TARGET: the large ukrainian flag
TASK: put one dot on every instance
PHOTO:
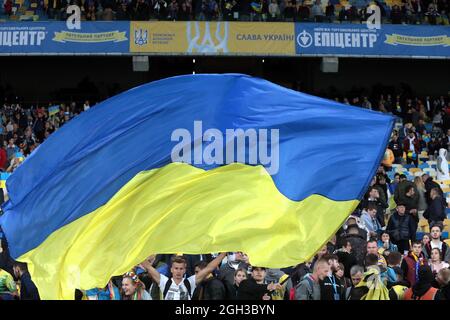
(102, 193)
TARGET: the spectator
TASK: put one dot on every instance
(331, 288)
(422, 203)
(393, 185)
(411, 146)
(436, 262)
(358, 243)
(254, 288)
(401, 228)
(412, 261)
(396, 15)
(372, 249)
(309, 287)
(133, 288)
(432, 14)
(443, 281)
(229, 9)
(28, 290)
(173, 10)
(369, 217)
(429, 185)
(356, 274)
(178, 287)
(232, 290)
(394, 260)
(396, 146)
(376, 197)
(235, 261)
(108, 8)
(371, 285)
(317, 11)
(303, 12)
(289, 11)
(340, 275)
(160, 8)
(8, 290)
(91, 12)
(385, 243)
(274, 11)
(401, 190)
(411, 202)
(329, 12)
(436, 242)
(123, 11)
(141, 11)
(7, 6)
(3, 157)
(398, 288)
(296, 275)
(184, 13)
(210, 288)
(11, 149)
(435, 213)
(422, 289)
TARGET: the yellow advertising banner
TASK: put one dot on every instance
(263, 38)
(194, 37)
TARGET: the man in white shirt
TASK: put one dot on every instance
(178, 287)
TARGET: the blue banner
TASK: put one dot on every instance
(56, 38)
(359, 40)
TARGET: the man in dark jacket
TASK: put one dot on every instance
(435, 212)
(401, 228)
(28, 290)
(402, 188)
(429, 185)
(255, 288)
(396, 146)
(331, 288)
(210, 288)
(411, 202)
(358, 243)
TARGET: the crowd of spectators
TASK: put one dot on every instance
(375, 255)
(404, 11)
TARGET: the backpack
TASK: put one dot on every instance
(186, 282)
(292, 290)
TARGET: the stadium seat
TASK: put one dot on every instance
(447, 182)
(424, 226)
(447, 241)
(446, 189)
(419, 235)
(424, 166)
(414, 170)
(418, 174)
(409, 166)
(447, 225)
